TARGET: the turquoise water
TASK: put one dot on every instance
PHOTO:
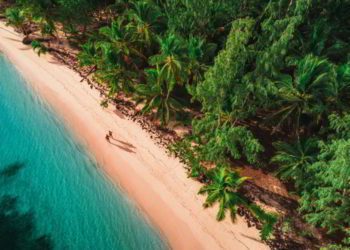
(54, 178)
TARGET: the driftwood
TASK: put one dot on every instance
(27, 40)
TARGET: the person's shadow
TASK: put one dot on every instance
(122, 145)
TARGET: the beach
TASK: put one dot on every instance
(157, 182)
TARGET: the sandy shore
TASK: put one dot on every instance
(157, 182)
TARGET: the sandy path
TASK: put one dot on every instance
(157, 182)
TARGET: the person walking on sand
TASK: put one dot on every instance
(110, 134)
(107, 138)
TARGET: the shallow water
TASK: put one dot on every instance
(54, 178)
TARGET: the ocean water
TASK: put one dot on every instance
(57, 190)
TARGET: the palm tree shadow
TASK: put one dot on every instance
(12, 169)
(26, 48)
(54, 61)
(119, 114)
(17, 229)
(251, 238)
(12, 39)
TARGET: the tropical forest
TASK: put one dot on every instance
(255, 85)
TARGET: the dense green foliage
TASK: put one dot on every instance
(254, 69)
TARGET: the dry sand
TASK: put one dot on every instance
(158, 183)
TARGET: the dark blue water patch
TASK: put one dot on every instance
(18, 229)
(55, 181)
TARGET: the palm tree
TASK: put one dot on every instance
(293, 159)
(195, 69)
(39, 47)
(223, 188)
(16, 17)
(117, 78)
(157, 95)
(108, 65)
(48, 28)
(170, 60)
(88, 55)
(306, 94)
(145, 19)
(122, 40)
(342, 97)
(113, 57)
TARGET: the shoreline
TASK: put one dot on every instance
(156, 182)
